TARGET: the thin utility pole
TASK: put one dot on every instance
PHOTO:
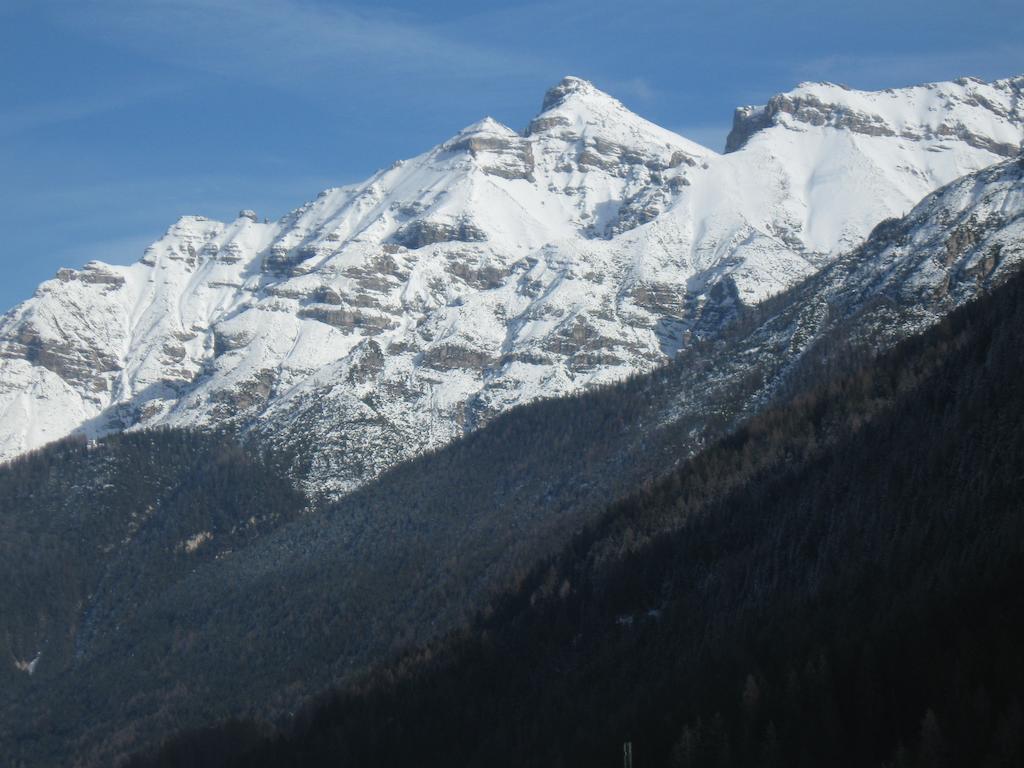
(627, 755)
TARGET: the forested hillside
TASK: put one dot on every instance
(837, 583)
(90, 537)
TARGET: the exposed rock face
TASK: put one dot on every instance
(498, 150)
(386, 318)
(421, 233)
(94, 272)
(447, 357)
(746, 121)
(76, 364)
(558, 94)
(370, 323)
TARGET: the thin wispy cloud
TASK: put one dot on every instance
(16, 119)
(285, 41)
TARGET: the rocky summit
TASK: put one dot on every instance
(384, 319)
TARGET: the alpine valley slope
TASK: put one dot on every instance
(258, 620)
(387, 318)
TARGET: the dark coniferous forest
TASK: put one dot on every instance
(110, 525)
(836, 583)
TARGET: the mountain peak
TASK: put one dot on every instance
(569, 86)
(576, 109)
(487, 126)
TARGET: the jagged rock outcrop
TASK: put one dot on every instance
(498, 150)
(420, 233)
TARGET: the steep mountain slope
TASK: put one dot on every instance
(387, 318)
(410, 555)
(854, 153)
(835, 584)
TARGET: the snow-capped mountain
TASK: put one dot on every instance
(956, 244)
(386, 318)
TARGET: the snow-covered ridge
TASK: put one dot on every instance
(980, 114)
(385, 318)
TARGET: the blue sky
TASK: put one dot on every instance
(117, 116)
